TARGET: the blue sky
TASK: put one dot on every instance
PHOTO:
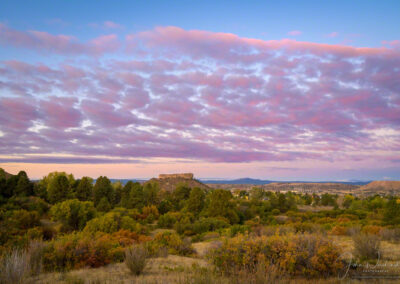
(361, 23)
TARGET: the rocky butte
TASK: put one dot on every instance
(169, 182)
(183, 176)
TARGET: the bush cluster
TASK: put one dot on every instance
(296, 255)
(172, 241)
(79, 249)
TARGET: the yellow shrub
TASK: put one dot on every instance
(296, 255)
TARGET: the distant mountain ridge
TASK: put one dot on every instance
(250, 181)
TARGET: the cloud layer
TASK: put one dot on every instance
(197, 95)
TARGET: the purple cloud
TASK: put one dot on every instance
(199, 95)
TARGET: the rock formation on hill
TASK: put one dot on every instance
(184, 176)
(169, 182)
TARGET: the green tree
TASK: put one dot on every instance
(348, 199)
(2, 173)
(73, 214)
(101, 189)
(117, 186)
(11, 184)
(195, 203)
(220, 205)
(328, 199)
(132, 195)
(137, 196)
(307, 199)
(256, 193)
(58, 189)
(179, 196)
(150, 193)
(391, 215)
(3, 187)
(125, 200)
(103, 205)
(24, 187)
(84, 190)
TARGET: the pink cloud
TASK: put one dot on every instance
(333, 34)
(205, 96)
(63, 44)
(393, 43)
(60, 112)
(112, 25)
(17, 113)
(105, 115)
(295, 33)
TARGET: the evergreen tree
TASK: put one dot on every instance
(103, 189)
(24, 187)
(58, 189)
(137, 196)
(84, 190)
(195, 203)
(150, 193)
(104, 205)
(220, 205)
(392, 212)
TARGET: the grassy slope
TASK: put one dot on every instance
(179, 269)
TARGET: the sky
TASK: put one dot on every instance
(279, 90)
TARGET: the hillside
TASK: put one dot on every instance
(170, 182)
(381, 187)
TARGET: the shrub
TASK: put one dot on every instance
(14, 267)
(172, 241)
(307, 228)
(135, 259)
(209, 224)
(371, 229)
(73, 214)
(339, 231)
(367, 246)
(167, 220)
(296, 255)
(236, 229)
(150, 210)
(275, 212)
(112, 222)
(79, 250)
(26, 219)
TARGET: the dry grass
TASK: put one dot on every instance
(390, 251)
(187, 270)
(14, 267)
(367, 246)
(176, 269)
(201, 248)
(158, 270)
